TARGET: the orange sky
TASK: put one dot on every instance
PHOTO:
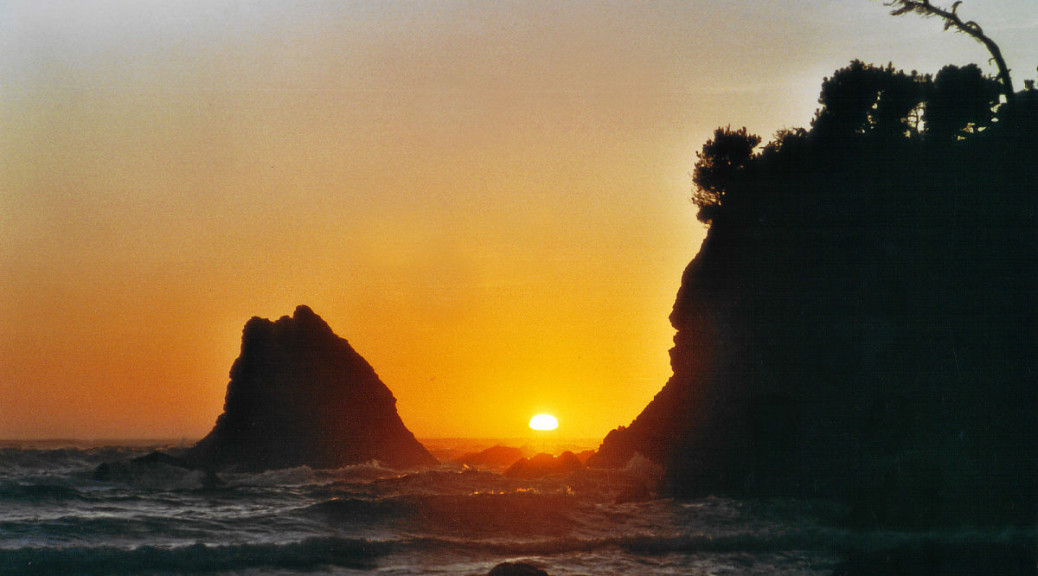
(489, 200)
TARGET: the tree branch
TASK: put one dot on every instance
(952, 20)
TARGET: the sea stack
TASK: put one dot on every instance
(860, 323)
(300, 395)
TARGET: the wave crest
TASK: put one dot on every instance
(306, 554)
(492, 514)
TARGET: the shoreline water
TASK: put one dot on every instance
(450, 519)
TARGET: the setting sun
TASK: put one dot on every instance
(544, 422)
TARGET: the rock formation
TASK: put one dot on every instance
(544, 464)
(516, 569)
(300, 395)
(156, 469)
(862, 323)
(497, 456)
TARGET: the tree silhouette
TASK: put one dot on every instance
(863, 99)
(962, 102)
(969, 27)
(860, 321)
(722, 157)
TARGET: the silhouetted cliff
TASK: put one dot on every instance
(300, 395)
(862, 319)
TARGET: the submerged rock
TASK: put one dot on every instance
(516, 569)
(301, 396)
(544, 465)
(156, 469)
(495, 456)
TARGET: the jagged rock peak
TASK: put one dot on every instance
(304, 321)
(300, 395)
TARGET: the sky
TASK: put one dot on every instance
(489, 200)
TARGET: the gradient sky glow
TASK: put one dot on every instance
(489, 200)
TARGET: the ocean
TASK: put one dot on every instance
(56, 518)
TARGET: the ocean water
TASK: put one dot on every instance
(55, 518)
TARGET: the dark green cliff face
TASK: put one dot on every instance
(862, 323)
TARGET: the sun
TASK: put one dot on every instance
(544, 422)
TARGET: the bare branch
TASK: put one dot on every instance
(952, 20)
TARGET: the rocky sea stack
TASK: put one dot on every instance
(300, 395)
(861, 322)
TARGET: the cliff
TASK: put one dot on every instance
(300, 395)
(862, 323)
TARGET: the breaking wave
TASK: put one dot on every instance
(195, 558)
